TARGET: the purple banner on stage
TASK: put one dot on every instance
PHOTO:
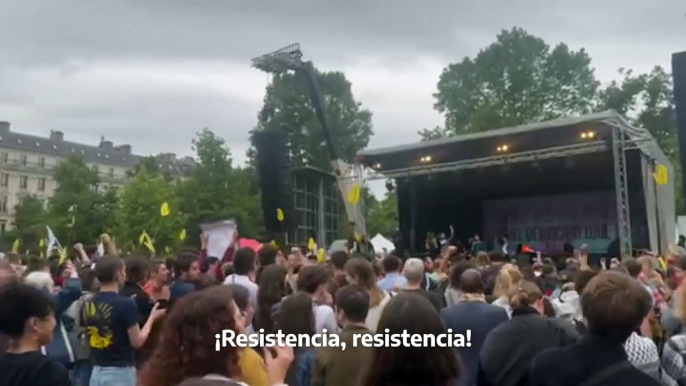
(546, 223)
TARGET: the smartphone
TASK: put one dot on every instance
(162, 304)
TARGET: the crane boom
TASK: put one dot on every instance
(348, 177)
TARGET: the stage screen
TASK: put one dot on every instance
(546, 223)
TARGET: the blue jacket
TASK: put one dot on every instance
(301, 370)
(480, 318)
(180, 288)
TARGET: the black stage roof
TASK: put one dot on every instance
(518, 140)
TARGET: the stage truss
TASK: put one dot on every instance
(619, 145)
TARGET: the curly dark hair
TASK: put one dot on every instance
(187, 344)
(271, 289)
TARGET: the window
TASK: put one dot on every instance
(111, 172)
(19, 141)
(4, 180)
(23, 182)
(41, 162)
(41, 184)
(3, 226)
(22, 160)
(3, 204)
(37, 144)
(4, 157)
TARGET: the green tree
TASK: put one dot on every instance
(29, 222)
(78, 199)
(647, 100)
(383, 216)
(216, 190)
(517, 80)
(151, 164)
(139, 210)
(287, 104)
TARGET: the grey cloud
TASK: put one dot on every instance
(332, 31)
(53, 50)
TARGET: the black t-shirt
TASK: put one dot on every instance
(430, 296)
(108, 317)
(143, 301)
(32, 369)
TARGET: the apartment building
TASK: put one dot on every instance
(27, 163)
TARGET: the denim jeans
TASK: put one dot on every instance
(82, 372)
(113, 376)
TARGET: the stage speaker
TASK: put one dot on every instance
(679, 74)
(274, 172)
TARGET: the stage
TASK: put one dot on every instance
(586, 180)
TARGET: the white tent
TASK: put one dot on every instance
(379, 243)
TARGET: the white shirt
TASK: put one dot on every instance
(244, 281)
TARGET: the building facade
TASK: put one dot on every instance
(27, 164)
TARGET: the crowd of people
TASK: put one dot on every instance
(132, 320)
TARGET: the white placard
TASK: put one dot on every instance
(219, 236)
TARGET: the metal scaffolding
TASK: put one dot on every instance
(503, 159)
(621, 190)
(619, 144)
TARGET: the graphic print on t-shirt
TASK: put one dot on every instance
(98, 317)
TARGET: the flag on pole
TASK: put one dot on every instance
(73, 216)
(63, 255)
(311, 245)
(15, 246)
(52, 240)
(183, 235)
(146, 241)
(165, 210)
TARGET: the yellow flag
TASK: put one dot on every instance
(311, 245)
(321, 255)
(63, 255)
(354, 194)
(661, 175)
(358, 237)
(274, 244)
(279, 214)
(165, 210)
(183, 235)
(168, 250)
(73, 216)
(41, 243)
(15, 246)
(146, 241)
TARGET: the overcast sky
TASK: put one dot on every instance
(153, 72)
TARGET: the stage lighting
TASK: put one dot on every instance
(502, 148)
(583, 135)
(426, 159)
(377, 166)
(587, 135)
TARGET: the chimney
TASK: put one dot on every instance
(4, 127)
(167, 157)
(56, 135)
(126, 149)
(107, 145)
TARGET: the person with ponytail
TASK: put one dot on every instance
(506, 282)
(509, 350)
